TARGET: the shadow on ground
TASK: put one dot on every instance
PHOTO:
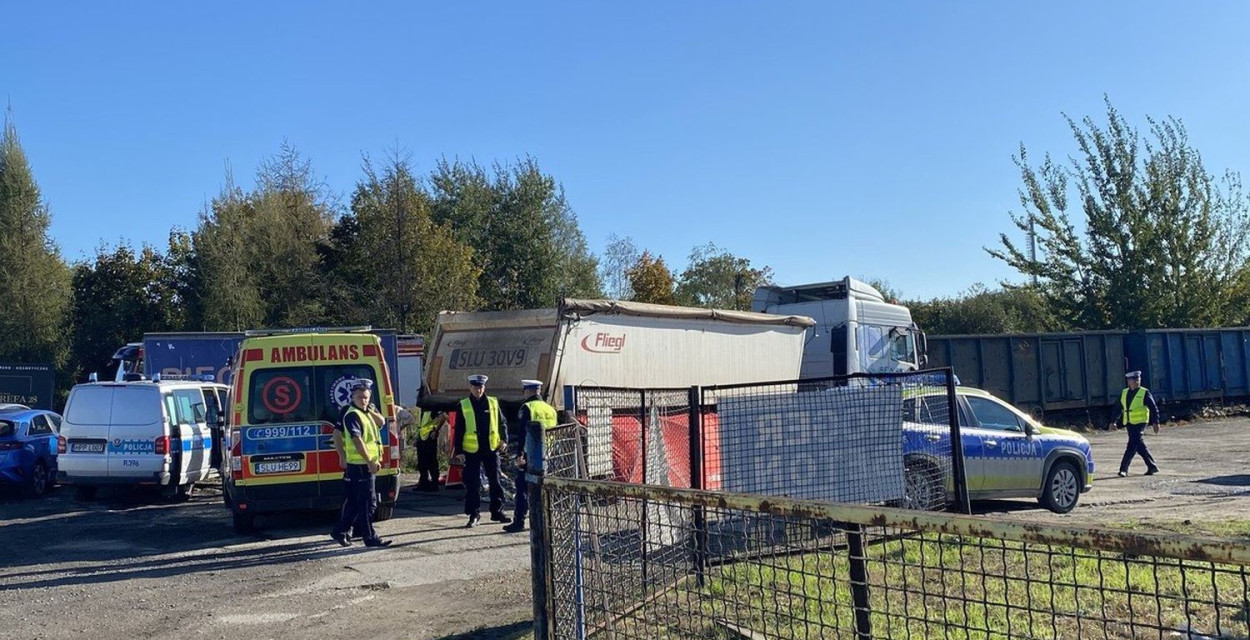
(515, 631)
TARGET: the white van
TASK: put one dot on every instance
(164, 433)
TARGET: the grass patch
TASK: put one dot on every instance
(942, 586)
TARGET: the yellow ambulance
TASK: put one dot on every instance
(290, 388)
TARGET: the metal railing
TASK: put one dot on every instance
(783, 568)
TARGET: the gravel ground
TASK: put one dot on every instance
(132, 566)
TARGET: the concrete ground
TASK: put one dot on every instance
(133, 566)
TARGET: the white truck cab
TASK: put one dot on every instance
(856, 330)
(149, 432)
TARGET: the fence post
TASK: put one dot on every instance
(957, 444)
(859, 580)
(540, 537)
(695, 401)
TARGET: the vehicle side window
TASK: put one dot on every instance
(56, 422)
(931, 410)
(171, 408)
(190, 404)
(993, 415)
(212, 409)
(39, 426)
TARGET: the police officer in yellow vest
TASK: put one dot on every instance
(1137, 411)
(479, 439)
(362, 450)
(428, 424)
(534, 410)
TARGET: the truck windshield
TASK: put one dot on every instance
(885, 349)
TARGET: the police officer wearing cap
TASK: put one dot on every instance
(534, 410)
(362, 450)
(1137, 411)
(479, 441)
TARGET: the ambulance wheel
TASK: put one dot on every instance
(384, 512)
(244, 523)
(85, 493)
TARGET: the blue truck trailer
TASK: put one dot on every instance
(210, 353)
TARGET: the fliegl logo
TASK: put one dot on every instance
(604, 342)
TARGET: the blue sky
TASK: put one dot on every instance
(819, 138)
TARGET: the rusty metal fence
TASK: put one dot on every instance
(618, 560)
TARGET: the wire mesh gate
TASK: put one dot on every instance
(785, 568)
(866, 438)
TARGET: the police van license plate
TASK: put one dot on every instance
(87, 447)
(286, 466)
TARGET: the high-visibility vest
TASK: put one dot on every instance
(542, 413)
(427, 427)
(470, 424)
(1138, 413)
(368, 433)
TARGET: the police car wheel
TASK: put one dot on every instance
(1062, 489)
(922, 487)
(383, 512)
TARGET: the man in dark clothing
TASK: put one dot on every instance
(429, 422)
(1137, 411)
(534, 409)
(479, 441)
(362, 453)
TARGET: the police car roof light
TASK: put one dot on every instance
(254, 333)
(94, 377)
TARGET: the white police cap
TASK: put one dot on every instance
(1133, 375)
(362, 383)
(477, 379)
(531, 384)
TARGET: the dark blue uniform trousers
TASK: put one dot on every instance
(1136, 447)
(474, 464)
(359, 503)
(522, 497)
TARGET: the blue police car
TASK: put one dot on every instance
(28, 448)
(1007, 454)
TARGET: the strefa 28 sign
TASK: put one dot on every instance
(28, 384)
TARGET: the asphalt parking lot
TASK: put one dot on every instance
(133, 566)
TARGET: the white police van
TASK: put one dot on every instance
(151, 432)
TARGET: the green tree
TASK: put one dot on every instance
(1133, 233)
(118, 297)
(258, 255)
(524, 235)
(618, 257)
(400, 265)
(717, 279)
(651, 280)
(34, 280)
(981, 310)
